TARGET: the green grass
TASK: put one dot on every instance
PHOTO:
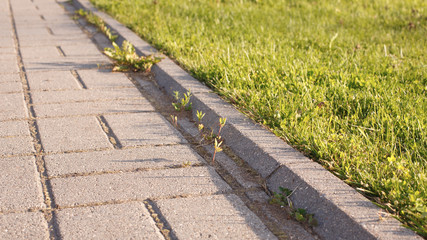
(343, 81)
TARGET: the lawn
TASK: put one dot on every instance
(343, 81)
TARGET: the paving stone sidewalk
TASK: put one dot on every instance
(83, 155)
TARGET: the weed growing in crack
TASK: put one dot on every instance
(98, 22)
(283, 199)
(222, 122)
(217, 147)
(127, 59)
(200, 115)
(200, 125)
(174, 119)
(218, 140)
(186, 164)
(182, 103)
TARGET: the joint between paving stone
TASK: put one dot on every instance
(78, 79)
(161, 223)
(39, 160)
(83, 115)
(60, 51)
(49, 30)
(133, 170)
(114, 140)
(90, 150)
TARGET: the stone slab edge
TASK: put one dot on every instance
(342, 212)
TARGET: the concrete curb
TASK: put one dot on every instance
(341, 211)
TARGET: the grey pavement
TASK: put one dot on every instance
(85, 155)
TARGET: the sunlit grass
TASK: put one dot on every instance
(343, 81)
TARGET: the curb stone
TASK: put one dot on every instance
(341, 211)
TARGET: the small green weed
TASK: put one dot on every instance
(98, 22)
(182, 103)
(218, 140)
(200, 115)
(217, 147)
(186, 164)
(283, 199)
(200, 125)
(126, 58)
(174, 119)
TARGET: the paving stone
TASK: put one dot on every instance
(212, 217)
(119, 160)
(137, 185)
(67, 134)
(29, 225)
(14, 128)
(12, 106)
(104, 79)
(24, 20)
(66, 63)
(143, 129)
(8, 57)
(52, 80)
(5, 25)
(43, 52)
(6, 34)
(53, 40)
(33, 31)
(66, 29)
(20, 188)
(119, 221)
(7, 66)
(81, 50)
(51, 24)
(85, 95)
(9, 87)
(6, 42)
(102, 107)
(9, 77)
(41, 29)
(32, 20)
(16, 145)
(10, 50)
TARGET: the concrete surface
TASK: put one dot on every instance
(115, 221)
(203, 218)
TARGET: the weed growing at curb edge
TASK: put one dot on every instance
(98, 22)
(174, 119)
(200, 116)
(283, 199)
(182, 103)
(218, 140)
(125, 57)
(186, 164)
